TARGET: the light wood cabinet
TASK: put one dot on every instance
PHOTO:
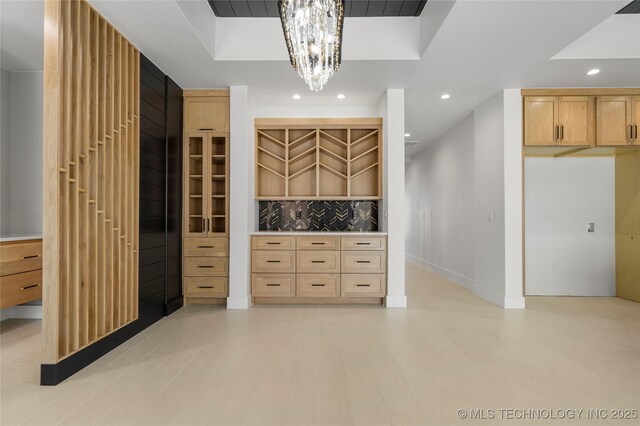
(206, 114)
(615, 125)
(206, 194)
(20, 272)
(312, 269)
(318, 159)
(559, 120)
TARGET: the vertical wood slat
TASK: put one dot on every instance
(74, 176)
(91, 178)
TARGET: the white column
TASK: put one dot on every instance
(241, 209)
(393, 205)
(513, 198)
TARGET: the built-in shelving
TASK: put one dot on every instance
(318, 159)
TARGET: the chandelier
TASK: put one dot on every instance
(313, 32)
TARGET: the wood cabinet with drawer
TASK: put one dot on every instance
(206, 287)
(20, 272)
(318, 269)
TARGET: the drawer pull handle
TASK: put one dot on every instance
(363, 261)
(363, 244)
(206, 129)
(363, 285)
(273, 261)
(205, 246)
(205, 286)
(206, 266)
(30, 257)
(273, 285)
(318, 244)
(29, 286)
(318, 261)
(271, 243)
(317, 285)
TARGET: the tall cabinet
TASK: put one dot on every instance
(206, 196)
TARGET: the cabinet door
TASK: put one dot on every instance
(217, 167)
(195, 184)
(541, 119)
(206, 114)
(613, 120)
(635, 120)
(576, 120)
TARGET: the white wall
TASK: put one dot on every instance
(440, 210)
(21, 153)
(561, 196)
(498, 200)
(5, 152)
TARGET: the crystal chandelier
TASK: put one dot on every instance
(313, 32)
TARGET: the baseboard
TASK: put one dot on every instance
(396, 301)
(22, 312)
(238, 302)
(450, 275)
(498, 299)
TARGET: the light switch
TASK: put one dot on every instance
(591, 227)
(490, 216)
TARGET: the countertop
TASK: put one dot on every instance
(8, 238)
(320, 233)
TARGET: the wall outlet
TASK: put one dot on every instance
(299, 214)
(591, 227)
(490, 216)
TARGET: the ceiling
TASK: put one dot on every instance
(353, 8)
(633, 7)
(475, 49)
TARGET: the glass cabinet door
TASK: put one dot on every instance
(196, 185)
(218, 164)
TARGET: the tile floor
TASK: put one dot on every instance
(344, 365)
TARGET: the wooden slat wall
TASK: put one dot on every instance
(91, 155)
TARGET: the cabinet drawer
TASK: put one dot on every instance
(206, 286)
(20, 257)
(273, 243)
(363, 243)
(215, 247)
(318, 243)
(366, 262)
(318, 285)
(363, 285)
(20, 288)
(273, 285)
(205, 266)
(318, 262)
(273, 261)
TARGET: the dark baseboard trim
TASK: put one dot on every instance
(173, 305)
(53, 374)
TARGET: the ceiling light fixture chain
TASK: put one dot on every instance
(313, 32)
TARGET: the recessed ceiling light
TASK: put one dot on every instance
(341, 96)
(406, 135)
(296, 96)
(445, 96)
(593, 71)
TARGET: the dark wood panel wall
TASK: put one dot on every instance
(160, 191)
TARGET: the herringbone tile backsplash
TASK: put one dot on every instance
(356, 216)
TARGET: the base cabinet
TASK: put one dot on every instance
(318, 269)
(20, 272)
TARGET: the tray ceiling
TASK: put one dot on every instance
(353, 8)
(633, 7)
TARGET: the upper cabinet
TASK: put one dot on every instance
(615, 120)
(207, 113)
(577, 118)
(307, 159)
(559, 120)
